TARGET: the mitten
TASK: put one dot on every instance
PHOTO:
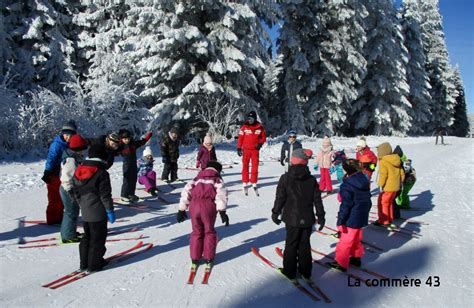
(321, 223)
(315, 167)
(275, 218)
(239, 151)
(224, 218)
(110, 216)
(46, 176)
(181, 216)
(372, 166)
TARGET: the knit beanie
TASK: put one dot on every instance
(214, 164)
(69, 128)
(98, 151)
(384, 149)
(291, 132)
(147, 151)
(361, 143)
(301, 156)
(173, 130)
(252, 114)
(77, 143)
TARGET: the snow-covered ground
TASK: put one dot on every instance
(158, 276)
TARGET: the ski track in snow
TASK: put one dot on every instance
(158, 277)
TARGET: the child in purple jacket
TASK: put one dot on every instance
(206, 153)
(205, 195)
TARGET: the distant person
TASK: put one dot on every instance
(170, 154)
(324, 160)
(440, 132)
(297, 198)
(111, 143)
(52, 169)
(206, 153)
(287, 149)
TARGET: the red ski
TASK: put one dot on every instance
(295, 282)
(207, 273)
(192, 274)
(59, 244)
(310, 283)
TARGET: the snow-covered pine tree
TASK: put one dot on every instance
(42, 51)
(443, 91)
(274, 96)
(322, 44)
(417, 77)
(460, 126)
(382, 106)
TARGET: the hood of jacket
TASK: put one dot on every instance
(358, 180)
(299, 172)
(208, 173)
(87, 170)
(393, 159)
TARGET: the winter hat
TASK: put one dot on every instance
(252, 114)
(147, 151)
(98, 151)
(327, 142)
(384, 149)
(114, 137)
(398, 150)
(301, 156)
(351, 166)
(291, 133)
(77, 143)
(124, 133)
(214, 164)
(361, 143)
(173, 130)
(207, 140)
(69, 128)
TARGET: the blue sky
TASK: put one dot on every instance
(458, 22)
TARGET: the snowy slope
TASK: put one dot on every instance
(158, 277)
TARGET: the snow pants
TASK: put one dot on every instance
(54, 211)
(325, 183)
(148, 180)
(203, 240)
(297, 254)
(71, 212)
(129, 184)
(247, 156)
(349, 245)
(92, 246)
(403, 201)
(171, 168)
(384, 205)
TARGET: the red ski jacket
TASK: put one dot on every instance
(251, 135)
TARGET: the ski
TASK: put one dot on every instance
(47, 285)
(355, 267)
(255, 189)
(407, 220)
(295, 282)
(207, 273)
(309, 282)
(113, 232)
(366, 247)
(60, 244)
(363, 242)
(345, 273)
(192, 274)
(397, 231)
(78, 274)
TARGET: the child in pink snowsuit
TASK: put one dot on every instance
(205, 195)
(324, 161)
(146, 175)
(206, 153)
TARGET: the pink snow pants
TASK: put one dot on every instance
(384, 205)
(203, 240)
(325, 183)
(149, 180)
(349, 245)
(247, 156)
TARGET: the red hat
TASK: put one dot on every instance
(77, 143)
(301, 156)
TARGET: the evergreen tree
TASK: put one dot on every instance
(443, 91)
(417, 76)
(382, 106)
(460, 126)
(322, 44)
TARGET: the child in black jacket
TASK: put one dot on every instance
(128, 149)
(92, 190)
(298, 195)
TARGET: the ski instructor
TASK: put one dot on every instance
(251, 139)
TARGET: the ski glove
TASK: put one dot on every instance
(372, 167)
(315, 167)
(275, 218)
(224, 218)
(46, 176)
(332, 169)
(181, 216)
(110, 216)
(259, 146)
(321, 223)
(239, 151)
